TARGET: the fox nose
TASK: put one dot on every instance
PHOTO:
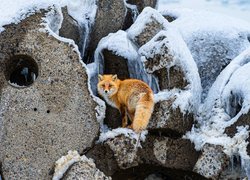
(106, 91)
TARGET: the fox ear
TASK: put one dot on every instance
(114, 77)
(100, 77)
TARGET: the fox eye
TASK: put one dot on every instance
(103, 85)
(110, 85)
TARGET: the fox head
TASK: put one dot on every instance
(107, 85)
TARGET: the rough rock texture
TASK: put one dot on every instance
(161, 151)
(71, 29)
(141, 4)
(110, 17)
(154, 24)
(48, 117)
(212, 162)
(104, 158)
(171, 122)
(168, 152)
(84, 170)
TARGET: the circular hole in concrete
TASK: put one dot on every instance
(35, 109)
(48, 111)
(21, 71)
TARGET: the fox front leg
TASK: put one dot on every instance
(124, 116)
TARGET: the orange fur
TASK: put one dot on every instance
(132, 97)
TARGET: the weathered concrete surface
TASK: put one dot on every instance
(161, 151)
(71, 29)
(154, 24)
(110, 17)
(41, 122)
(169, 121)
(212, 162)
(84, 170)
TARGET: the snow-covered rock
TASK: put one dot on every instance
(212, 162)
(224, 116)
(110, 16)
(46, 106)
(123, 53)
(213, 39)
(74, 166)
(146, 26)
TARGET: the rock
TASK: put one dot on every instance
(141, 4)
(161, 151)
(167, 60)
(168, 152)
(146, 26)
(110, 17)
(84, 170)
(71, 29)
(104, 158)
(46, 108)
(169, 121)
(212, 162)
(212, 42)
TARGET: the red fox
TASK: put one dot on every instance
(132, 97)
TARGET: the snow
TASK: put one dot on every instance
(146, 17)
(213, 39)
(236, 8)
(63, 164)
(218, 112)
(111, 134)
(15, 11)
(171, 43)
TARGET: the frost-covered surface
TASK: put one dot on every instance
(147, 16)
(219, 111)
(120, 45)
(213, 39)
(110, 134)
(64, 163)
(15, 11)
(172, 41)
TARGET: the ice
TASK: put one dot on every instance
(119, 44)
(189, 99)
(213, 39)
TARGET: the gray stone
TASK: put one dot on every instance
(141, 4)
(154, 24)
(169, 121)
(110, 17)
(167, 152)
(84, 170)
(71, 29)
(104, 158)
(161, 151)
(53, 112)
(212, 162)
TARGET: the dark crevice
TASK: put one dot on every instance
(166, 132)
(1, 171)
(144, 171)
